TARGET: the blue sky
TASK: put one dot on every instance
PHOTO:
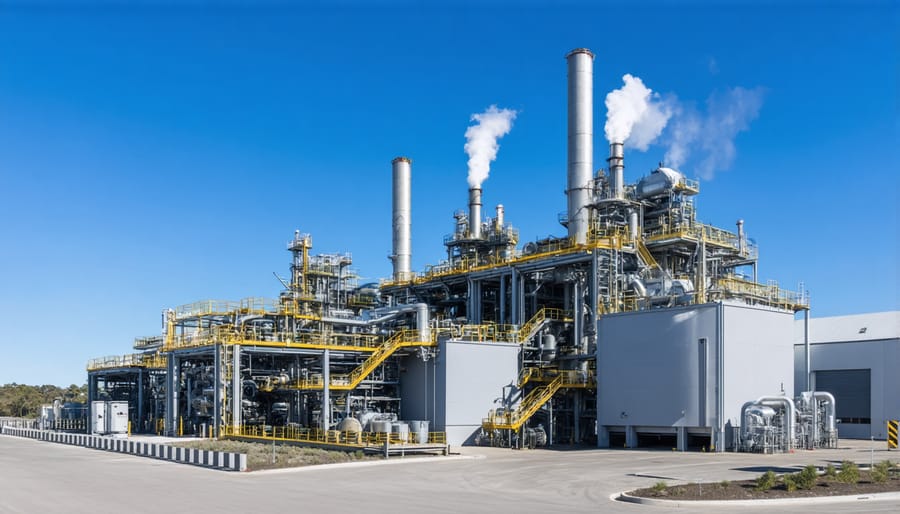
(159, 154)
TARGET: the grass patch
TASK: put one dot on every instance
(261, 455)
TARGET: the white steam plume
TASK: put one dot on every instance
(635, 115)
(711, 135)
(481, 141)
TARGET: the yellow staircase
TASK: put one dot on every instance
(534, 400)
(401, 339)
(645, 254)
(531, 327)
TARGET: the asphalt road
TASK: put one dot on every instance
(47, 478)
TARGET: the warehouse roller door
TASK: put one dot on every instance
(852, 390)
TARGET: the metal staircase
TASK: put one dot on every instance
(531, 327)
(401, 339)
(513, 419)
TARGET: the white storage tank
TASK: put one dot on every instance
(420, 428)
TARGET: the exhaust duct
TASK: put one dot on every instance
(580, 147)
(616, 170)
(475, 213)
(402, 220)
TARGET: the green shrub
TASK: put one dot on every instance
(881, 472)
(765, 481)
(830, 472)
(806, 479)
(790, 482)
(724, 484)
(849, 473)
(660, 488)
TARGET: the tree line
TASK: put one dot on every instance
(20, 400)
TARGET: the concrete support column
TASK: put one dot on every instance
(631, 439)
(682, 438)
(602, 437)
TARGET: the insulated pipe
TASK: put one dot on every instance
(581, 146)
(402, 218)
(422, 322)
(617, 169)
(828, 398)
(790, 413)
(752, 408)
(475, 213)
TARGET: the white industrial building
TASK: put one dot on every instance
(857, 359)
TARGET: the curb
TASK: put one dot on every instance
(362, 464)
(769, 502)
(226, 461)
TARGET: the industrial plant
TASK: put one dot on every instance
(638, 325)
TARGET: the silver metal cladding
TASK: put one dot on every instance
(617, 169)
(402, 218)
(580, 145)
(475, 213)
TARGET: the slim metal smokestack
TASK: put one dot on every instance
(616, 170)
(740, 234)
(402, 218)
(475, 212)
(581, 146)
(498, 220)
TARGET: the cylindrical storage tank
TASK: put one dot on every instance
(402, 218)
(350, 425)
(381, 427)
(580, 167)
(548, 345)
(401, 429)
(420, 428)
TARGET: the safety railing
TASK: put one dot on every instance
(148, 343)
(545, 314)
(512, 419)
(206, 308)
(134, 360)
(770, 294)
(330, 437)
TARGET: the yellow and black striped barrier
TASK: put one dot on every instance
(892, 433)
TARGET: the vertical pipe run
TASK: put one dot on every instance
(808, 386)
(580, 144)
(475, 213)
(402, 218)
(617, 169)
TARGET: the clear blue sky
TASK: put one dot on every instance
(155, 155)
